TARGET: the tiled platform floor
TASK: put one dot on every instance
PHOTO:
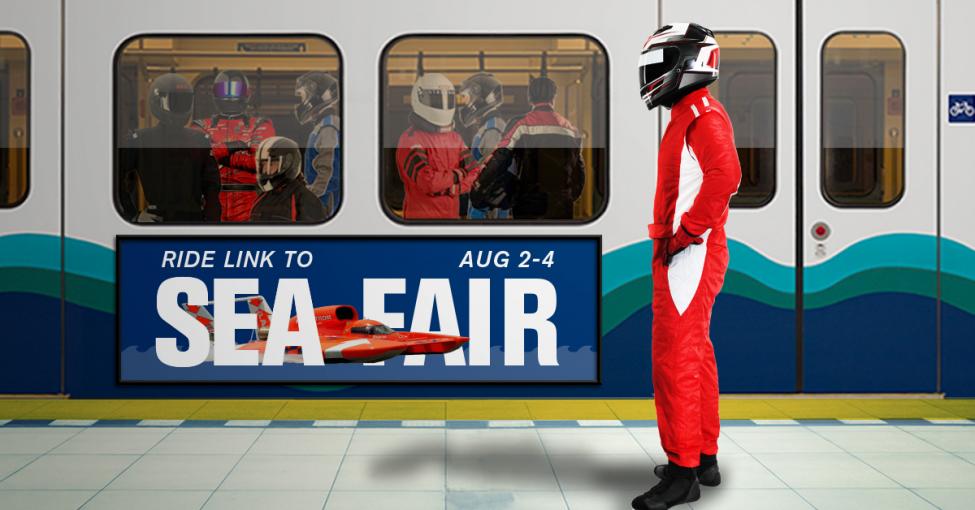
(427, 466)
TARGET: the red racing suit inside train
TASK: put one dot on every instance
(233, 140)
(698, 172)
(436, 167)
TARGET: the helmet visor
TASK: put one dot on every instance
(176, 102)
(230, 89)
(657, 62)
(438, 98)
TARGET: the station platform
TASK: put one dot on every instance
(775, 453)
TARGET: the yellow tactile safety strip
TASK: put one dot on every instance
(629, 409)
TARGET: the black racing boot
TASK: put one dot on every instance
(707, 473)
(678, 487)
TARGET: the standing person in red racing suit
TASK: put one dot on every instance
(234, 136)
(434, 163)
(548, 172)
(697, 173)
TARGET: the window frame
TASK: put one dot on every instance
(28, 71)
(113, 175)
(775, 117)
(822, 125)
(464, 222)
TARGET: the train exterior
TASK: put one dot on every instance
(852, 238)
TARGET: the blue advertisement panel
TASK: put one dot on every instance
(358, 309)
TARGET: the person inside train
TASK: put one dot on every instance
(697, 173)
(318, 99)
(234, 135)
(433, 161)
(285, 196)
(479, 98)
(170, 161)
(548, 171)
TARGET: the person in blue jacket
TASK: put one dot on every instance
(318, 101)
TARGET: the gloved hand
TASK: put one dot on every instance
(244, 159)
(681, 240)
(222, 151)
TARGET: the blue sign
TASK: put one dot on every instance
(961, 108)
(358, 309)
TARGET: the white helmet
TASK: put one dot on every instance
(433, 99)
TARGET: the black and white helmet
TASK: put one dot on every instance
(676, 60)
(278, 162)
(479, 95)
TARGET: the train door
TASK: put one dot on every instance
(30, 197)
(869, 238)
(754, 320)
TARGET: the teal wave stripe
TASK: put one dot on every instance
(957, 259)
(901, 251)
(36, 251)
(89, 260)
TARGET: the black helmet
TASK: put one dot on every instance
(278, 162)
(481, 94)
(676, 60)
(541, 90)
(231, 92)
(171, 100)
(316, 92)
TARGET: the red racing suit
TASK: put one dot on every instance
(436, 167)
(697, 173)
(233, 140)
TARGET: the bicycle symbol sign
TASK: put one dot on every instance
(961, 108)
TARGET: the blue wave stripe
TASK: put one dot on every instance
(85, 258)
(908, 251)
(42, 251)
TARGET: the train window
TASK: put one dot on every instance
(228, 129)
(494, 129)
(14, 119)
(863, 119)
(747, 90)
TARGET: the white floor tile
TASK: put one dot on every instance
(302, 442)
(283, 472)
(779, 440)
(871, 439)
(113, 440)
(824, 470)
(599, 423)
(478, 442)
(33, 440)
(264, 500)
(863, 421)
(160, 423)
(924, 470)
(197, 441)
(247, 423)
(404, 500)
(424, 423)
(406, 442)
(589, 442)
(750, 499)
(949, 499)
(71, 472)
(46, 500)
(147, 500)
(775, 422)
(604, 500)
(505, 501)
(72, 423)
(952, 439)
(623, 473)
(176, 472)
(949, 421)
(742, 471)
(360, 473)
(500, 473)
(859, 499)
(11, 463)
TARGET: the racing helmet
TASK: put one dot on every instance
(676, 60)
(479, 95)
(231, 92)
(278, 162)
(171, 99)
(316, 92)
(541, 89)
(433, 99)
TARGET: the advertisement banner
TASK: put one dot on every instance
(358, 309)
